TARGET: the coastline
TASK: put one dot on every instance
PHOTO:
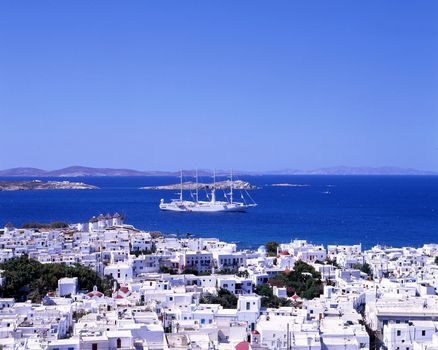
(44, 185)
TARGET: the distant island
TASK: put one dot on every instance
(81, 171)
(241, 185)
(43, 185)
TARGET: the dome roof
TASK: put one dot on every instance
(94, 294)
(243, 345)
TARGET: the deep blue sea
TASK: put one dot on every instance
(390, 210)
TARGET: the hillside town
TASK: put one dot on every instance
(170, 292)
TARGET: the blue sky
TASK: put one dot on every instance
(252, 85)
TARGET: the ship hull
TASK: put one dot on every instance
(176, 206)
(206, 208)
(169, 208)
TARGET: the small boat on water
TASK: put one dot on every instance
(210, 206)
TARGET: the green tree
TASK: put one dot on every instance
(53, 225)
(58, 224)
(332, 262)
(271, 248)
(146, 251)
(363, 267)
(268, 297)
(225, 298)
(227, 272)
(303, 280)
(29, 279)
(165, 269)
(77, 315)
(264, 290)
(244, 274)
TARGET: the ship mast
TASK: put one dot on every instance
(231, 187)
(213, 190)
(181, 187)
(197, 187)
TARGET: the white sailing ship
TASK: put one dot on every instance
(210, 206)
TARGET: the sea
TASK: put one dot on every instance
(386, 210)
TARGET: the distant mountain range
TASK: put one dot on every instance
(343, 170)
(75, 171)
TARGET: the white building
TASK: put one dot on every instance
(68, 286)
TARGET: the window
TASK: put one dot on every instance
(423, 333)
(398, 333)
(248, 305)
(94, 346)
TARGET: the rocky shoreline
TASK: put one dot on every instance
(44, 185)
(221, 185)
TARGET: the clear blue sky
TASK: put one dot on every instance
(252, 85)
